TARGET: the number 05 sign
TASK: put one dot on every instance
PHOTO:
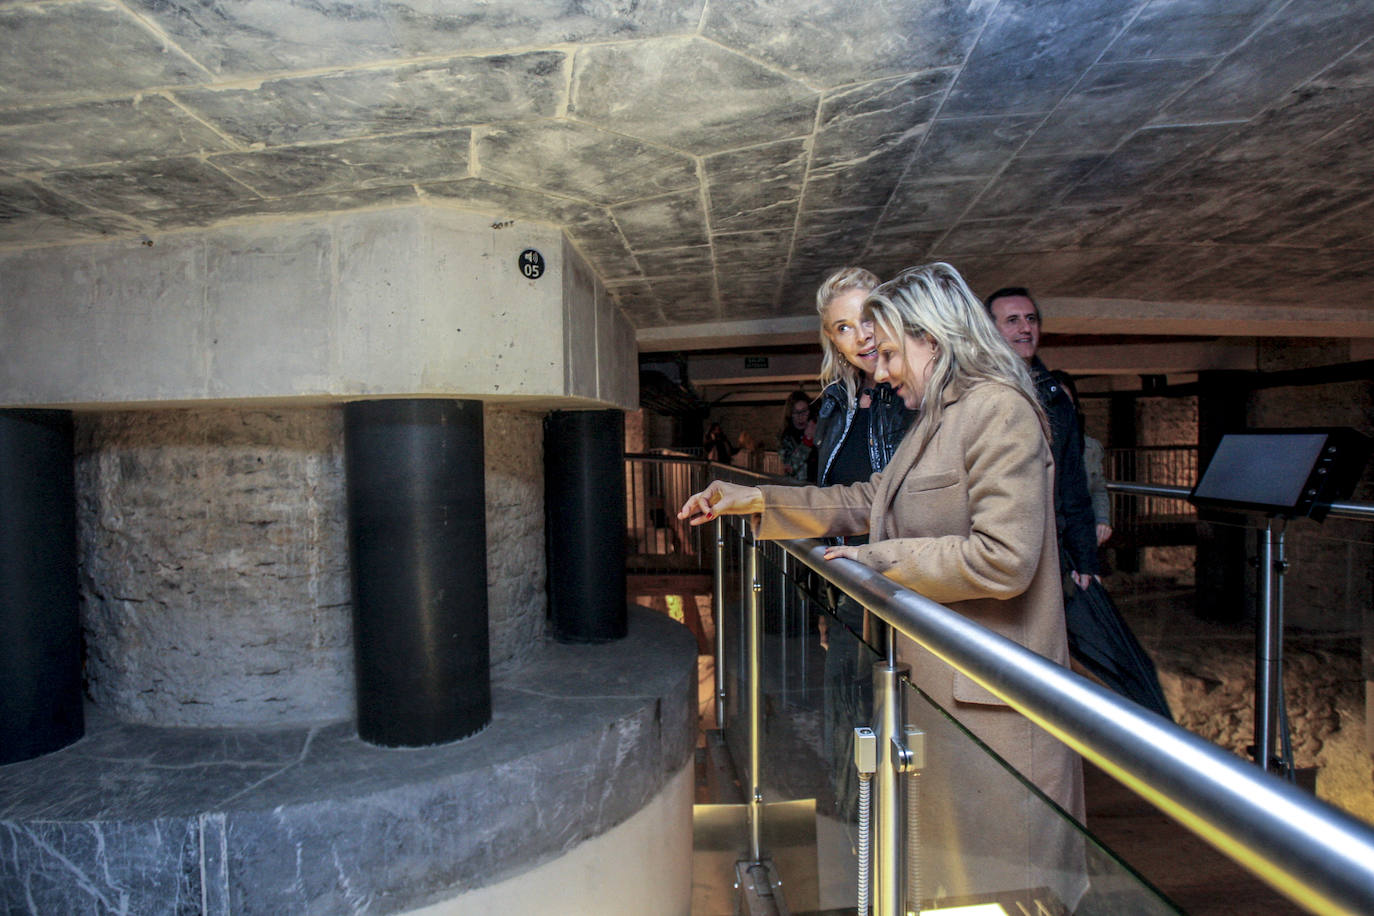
(531, 264)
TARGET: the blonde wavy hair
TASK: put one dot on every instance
(934, 301)
(834, 367)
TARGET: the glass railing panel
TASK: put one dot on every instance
(816, 677)
(986, 835)
(1194, 604)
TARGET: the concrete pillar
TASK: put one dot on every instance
(40, 626)
(1225, 579)
(1122, 432)
(417, 535)
(584, 500)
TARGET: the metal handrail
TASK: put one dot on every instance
(1317, 855)
(1364, 511)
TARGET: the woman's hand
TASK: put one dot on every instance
(721, 498)
(1104, 532)
(839, 551)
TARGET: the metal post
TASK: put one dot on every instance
(889, 715)
(784, 621)
(1268, 652)
(755, 614)
(718, 610)
(913, 762)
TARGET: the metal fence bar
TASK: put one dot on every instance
(718, 613)
(755, 613)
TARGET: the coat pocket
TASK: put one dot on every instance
(938, 480)
(967, 690)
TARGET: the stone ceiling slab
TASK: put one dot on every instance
(685, 301)
(505, 202)
(864, 182)
(674, 220)
(1029, 185)
(243, 38)
(347, 104)
(985, 236)
(210, 212)
(31, 212)
(1034, 51)
(1286, 207)
(1293, 46)
(636, 300)
(898, 247)
(689, 95)
(1353, 228)
(46, 53)
(756, 188)
(837, 43)
(1354, 70)
(365, 163)
(165, 184)
(877, 117)
(676, 262)
(925, 204)
(577, 160)
(752, 253)
(962, 147)
(1146, 157)
(1110, 103)
(103, 131)
(1183, 29)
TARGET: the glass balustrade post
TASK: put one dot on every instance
(754, 613)
(718, 611)
(889, 715)
(784, 621)
(913, 761)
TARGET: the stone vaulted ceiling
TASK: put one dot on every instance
(713, 160)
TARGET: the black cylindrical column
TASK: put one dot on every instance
(584, 524)
(418, 540)
(40, 624)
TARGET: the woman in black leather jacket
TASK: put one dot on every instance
(850, 451)
(858, 426)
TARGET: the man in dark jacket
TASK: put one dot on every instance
(1018, 319)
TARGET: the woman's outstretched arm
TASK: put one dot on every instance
(721, 498)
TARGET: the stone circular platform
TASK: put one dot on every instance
(148, 820)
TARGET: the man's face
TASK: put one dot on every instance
(1019, 324)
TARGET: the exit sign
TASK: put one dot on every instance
(756, 362)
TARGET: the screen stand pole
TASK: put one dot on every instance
(1269, 643)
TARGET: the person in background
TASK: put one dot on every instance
(797, 441)
(858, 426)
(964, 515)
(1093, 455)
(717, 446)
(1017, 318)
(745, 453)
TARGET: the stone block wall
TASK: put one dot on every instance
(214, 563)
(517, 600)
(1166, 421)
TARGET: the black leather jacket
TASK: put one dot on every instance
(888, 420)
(1073, 506)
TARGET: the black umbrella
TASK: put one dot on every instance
(1102, 642)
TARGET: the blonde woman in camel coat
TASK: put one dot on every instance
(963, 514)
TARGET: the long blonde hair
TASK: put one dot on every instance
(834, 367)
(934, 301)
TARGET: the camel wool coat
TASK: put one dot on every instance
(967, 519)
